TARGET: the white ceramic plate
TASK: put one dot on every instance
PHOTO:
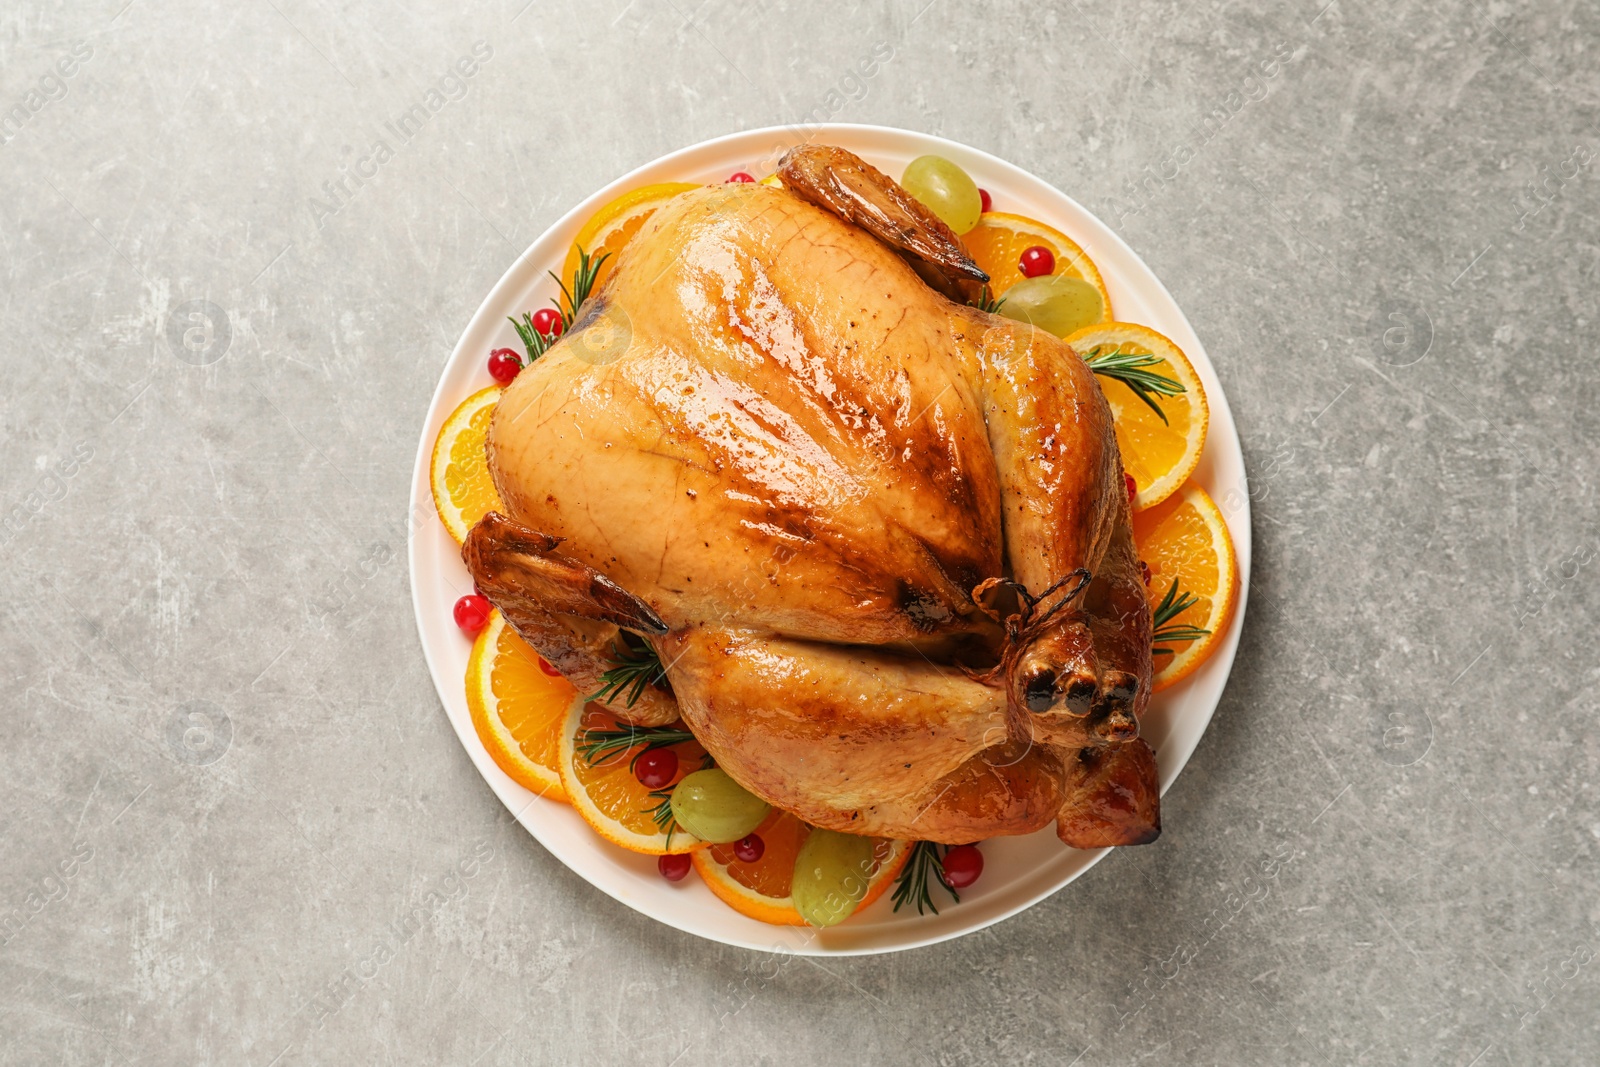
(1018, 871)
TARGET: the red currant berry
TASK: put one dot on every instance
(544, 665)
(548, 322)
(504, 365)
(962, 865)
(1036, 260)
(472, 613)
(749, 849)
(1133, 488)
(673, 868)
(739, 176)
(656, 767)
(986, 200)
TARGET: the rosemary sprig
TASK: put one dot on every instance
(662, 813)
(987, 302)
(535, 342)
(1133, 370)
(595, 745)
(636, 669)
(914, 884)
(583, 279)
(1175, 603)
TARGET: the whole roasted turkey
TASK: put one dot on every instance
(879, 539)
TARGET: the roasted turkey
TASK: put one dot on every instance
(879, 539)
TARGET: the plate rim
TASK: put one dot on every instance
(895, 937)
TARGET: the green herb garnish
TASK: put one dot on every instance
(662, 813)
(1175, 603)
(595, 745)
(535, 342)
(987, 302)
(583, 279)
(1133, 370)
(636, 668)
(914, 885)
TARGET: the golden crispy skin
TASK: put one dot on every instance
(798, 722)
(763, 452)
(803, 461)
(1113, 796)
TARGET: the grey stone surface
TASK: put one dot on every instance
(224, 774)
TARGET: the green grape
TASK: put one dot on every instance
(944, 189)
(714, 807)
(831, 874)
(1055, 303)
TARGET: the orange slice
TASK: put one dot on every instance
(996, 243)
(1159, 455)
(608, 796)
(463, 492)
(761, 889)
(518, 703)
(1185, 540)
(614, 225)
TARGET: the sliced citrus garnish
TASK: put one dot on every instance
(607, 794)
(518, 703)
(997, 242)
(760, 889)
(1158, 454)
(1184, 540)
(614, 225)
(463, 491)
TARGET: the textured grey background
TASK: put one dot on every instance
(225, 777)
